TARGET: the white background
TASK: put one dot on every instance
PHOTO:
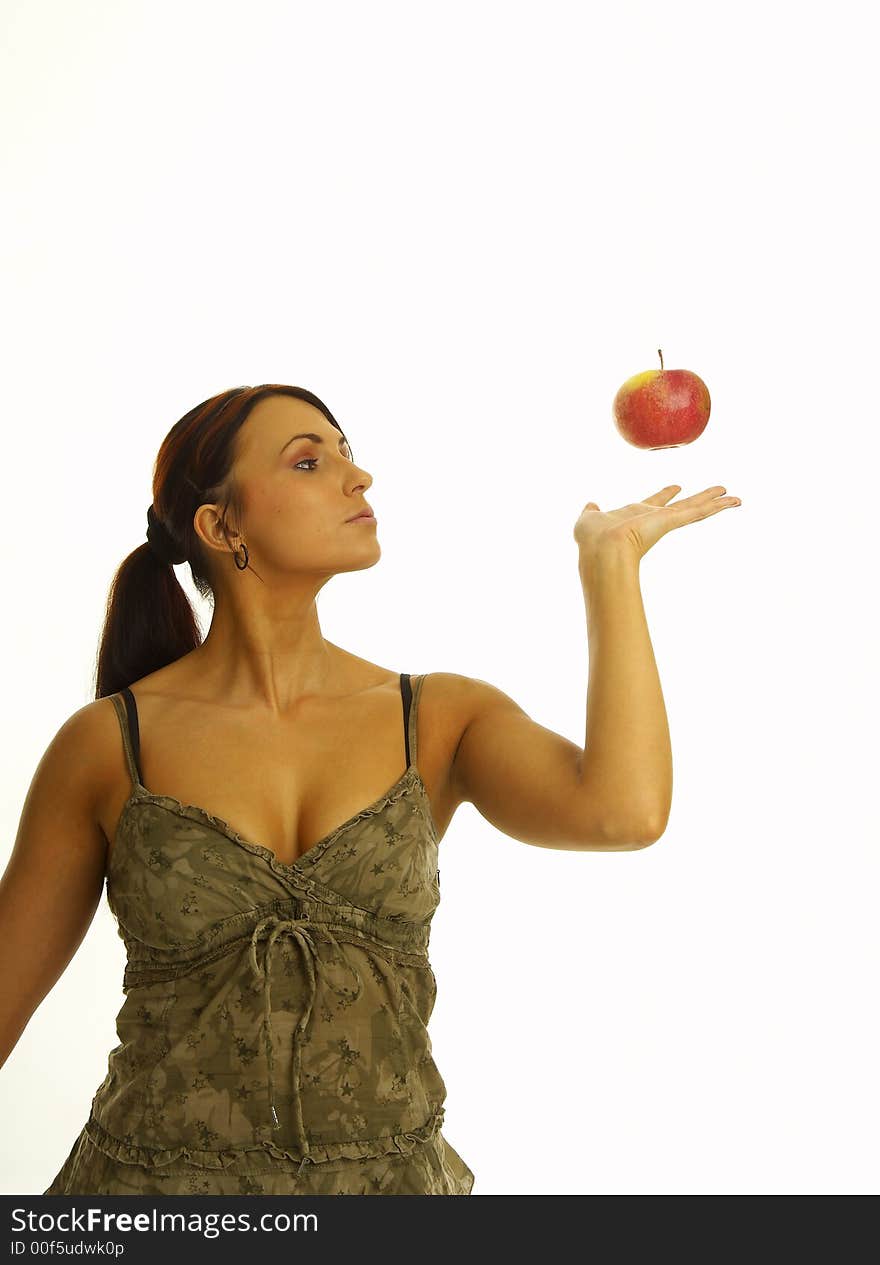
(464, 226)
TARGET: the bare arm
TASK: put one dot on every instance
(526, 779)
(627, 749)
(55, 876)
(613, 794)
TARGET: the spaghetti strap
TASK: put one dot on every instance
(411, 694)
(126, 712)
(406, 699)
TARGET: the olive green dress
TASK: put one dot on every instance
(273, 1038)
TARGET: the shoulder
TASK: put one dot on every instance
(88, 731)
(465, 697)
(77, 764)
(92, 740)
(451, 703)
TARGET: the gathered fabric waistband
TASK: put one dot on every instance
(396, 940)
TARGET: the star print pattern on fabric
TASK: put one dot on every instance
(273, 1037)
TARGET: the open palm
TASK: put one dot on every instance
(638, 526)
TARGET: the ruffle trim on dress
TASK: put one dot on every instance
(410, 779)
(367, 1148)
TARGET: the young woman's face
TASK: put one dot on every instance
(299, 486)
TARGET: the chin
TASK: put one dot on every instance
(361, 564)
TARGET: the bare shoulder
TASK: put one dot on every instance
(450, 703)
(465, 692)
(60, 820)
(90, 746)
(449, 699)
(464, 698)
(83, 738)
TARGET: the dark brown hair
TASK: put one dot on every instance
(149, 621)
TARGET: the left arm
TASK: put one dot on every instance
(539, 787)
(615, 793)
(627, 750)
(526, 780)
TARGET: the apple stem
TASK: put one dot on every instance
(660, 354)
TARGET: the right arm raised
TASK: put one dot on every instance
(53, 882)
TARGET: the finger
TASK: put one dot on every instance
(663, 496)
(707, 509)
(706, 494)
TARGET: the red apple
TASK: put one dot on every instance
(662, 408)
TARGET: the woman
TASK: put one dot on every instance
(272, 872)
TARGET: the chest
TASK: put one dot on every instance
(286, 784)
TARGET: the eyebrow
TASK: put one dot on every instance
(316, 439)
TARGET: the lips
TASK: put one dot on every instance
(363, 514)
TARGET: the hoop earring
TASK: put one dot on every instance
(241, 565)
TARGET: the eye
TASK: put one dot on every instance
(314, 460)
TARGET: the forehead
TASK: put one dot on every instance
(272, 422)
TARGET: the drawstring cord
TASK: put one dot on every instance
(297, 928)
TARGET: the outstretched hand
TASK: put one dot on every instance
(635, 528)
